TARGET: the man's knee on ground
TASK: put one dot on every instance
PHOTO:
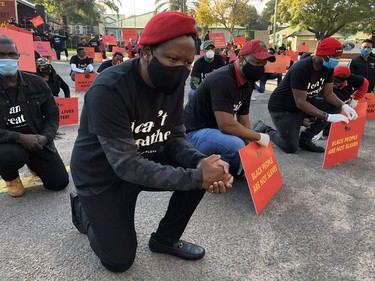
(59, 184)
(119, 265)
(290, 148)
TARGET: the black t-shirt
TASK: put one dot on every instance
(219, 91)
(300, 76)
(16, 119)
(105, 65)
(353, 83)
(121, 108)
(366, 69)
(95, 44)
(201, 68)
(81, 64)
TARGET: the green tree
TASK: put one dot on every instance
(87, 12)
(265, 19)
(228, 13)
(326, 17)
(171, 5)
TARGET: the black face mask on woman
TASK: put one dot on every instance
(46, 70)
(167, 79)
(252, 72)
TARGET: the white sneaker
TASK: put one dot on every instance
(253, 98)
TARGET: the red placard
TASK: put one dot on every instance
(118, 49)
(129, 33)
(7, 10)
(82, 84)
(239, 40)
(344, 139)
(43, 48)
(370, 99)
(98, 57)
(90, 52)
(303, 48)
(19, 29)
(279, 66)
(37, 21)
(25, 47)
(262, 173)
(293, 55)
(219, 39)
(68, 108)
(54, 57)
(110, 40)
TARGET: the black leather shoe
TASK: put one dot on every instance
(77, 223)
(310, 146)
(181, 249)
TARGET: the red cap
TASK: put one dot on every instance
(166, 26)
(257, 49)
(329, 47)
(341, 72)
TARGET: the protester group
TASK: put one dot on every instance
(136, 134)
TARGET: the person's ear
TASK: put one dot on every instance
(147, 53)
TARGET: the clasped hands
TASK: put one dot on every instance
(32, 142)
(216, 177)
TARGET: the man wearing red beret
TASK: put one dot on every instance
(347, 87)
(225, 93)
(132, 139)
(305, 91)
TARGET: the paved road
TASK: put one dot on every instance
(319, 226)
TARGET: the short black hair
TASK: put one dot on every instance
(6, 40)
(80, 49)
(118, 54)
(367, 41)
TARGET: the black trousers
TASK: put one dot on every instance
(46, 164)
(288, 125)
(108, 219)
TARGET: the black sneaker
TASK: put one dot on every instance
(261, 127)
(76, 221)
(310, 146)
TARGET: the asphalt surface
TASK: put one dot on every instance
(319, 226)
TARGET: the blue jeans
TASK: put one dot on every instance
(263, 80)
(191, 94)
(213, 141)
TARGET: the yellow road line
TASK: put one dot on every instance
(28, 181)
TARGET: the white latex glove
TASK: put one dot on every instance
(350, 112)
(333, 118)
(264, 140)
(353, 103)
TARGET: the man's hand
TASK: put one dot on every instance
(353, 103)
(264, 140)
(87, 73)
(42, 140)
(29, 142)
(350, 112)
(216, 177)
(333, 118)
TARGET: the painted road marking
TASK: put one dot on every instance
(28, 181)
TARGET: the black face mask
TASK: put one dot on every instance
(167, 79)
(46, 70)
(252, 72)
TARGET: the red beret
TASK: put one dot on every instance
(166, 26)
(257, 49)
(329, 47)
(341, 71)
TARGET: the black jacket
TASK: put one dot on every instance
(38, 106)
(365, 69)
